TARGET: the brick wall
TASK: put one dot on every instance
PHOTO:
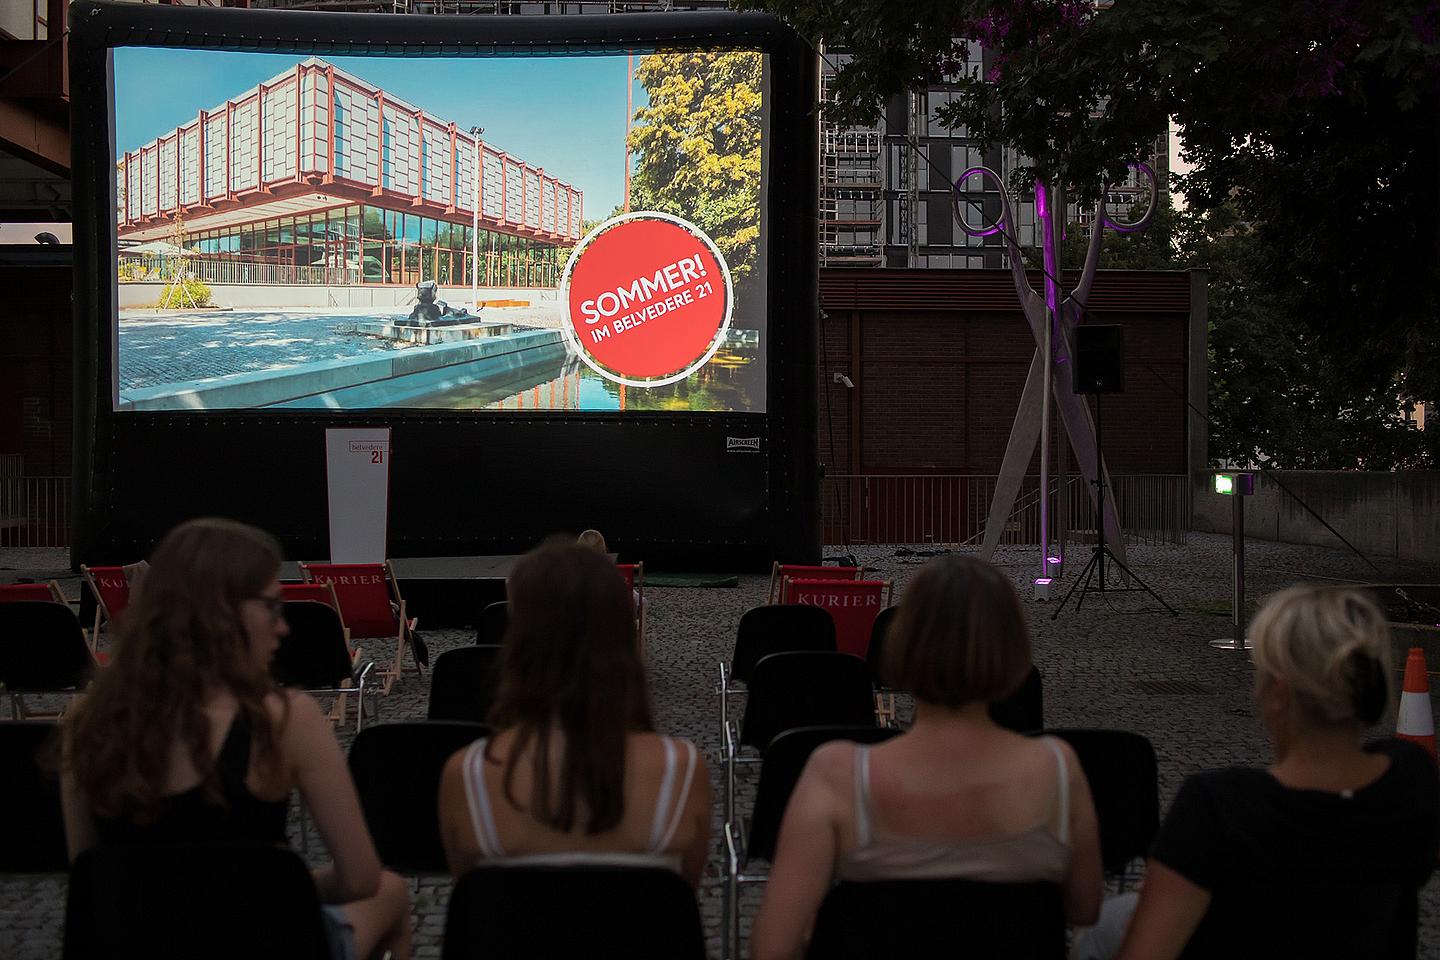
(936, 391)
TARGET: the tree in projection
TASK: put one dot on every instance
(697, 147)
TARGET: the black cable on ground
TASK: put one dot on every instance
(1267, 471)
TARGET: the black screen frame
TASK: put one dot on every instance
(685, 489)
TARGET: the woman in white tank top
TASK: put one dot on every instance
(955, 796)
(574, 772)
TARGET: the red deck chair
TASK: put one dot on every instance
(797, 571)
(634, 574)
(852, 603)
(43, 592)
(370, 606)
(316, 592)
(111, 589)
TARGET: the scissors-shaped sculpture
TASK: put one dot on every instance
(1052, 318)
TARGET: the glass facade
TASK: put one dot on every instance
(365, 244)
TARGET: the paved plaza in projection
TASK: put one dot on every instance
(1119, 662)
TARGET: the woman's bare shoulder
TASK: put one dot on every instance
(832, 763)
(294, 712)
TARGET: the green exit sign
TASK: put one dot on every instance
(1235, 484)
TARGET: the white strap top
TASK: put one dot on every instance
(1035, 854)
(669, 809)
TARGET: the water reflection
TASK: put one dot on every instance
(732, 380)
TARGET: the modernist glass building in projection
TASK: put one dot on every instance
(316, 176)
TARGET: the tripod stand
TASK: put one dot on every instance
(1101, 551)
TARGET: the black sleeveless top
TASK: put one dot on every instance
(191, 817)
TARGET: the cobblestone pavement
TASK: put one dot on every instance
(1102, 667)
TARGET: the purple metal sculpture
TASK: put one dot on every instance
(1052, 318)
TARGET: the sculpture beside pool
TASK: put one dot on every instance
(433, 312)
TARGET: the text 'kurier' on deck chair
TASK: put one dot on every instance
(371, 607)
(111, 587)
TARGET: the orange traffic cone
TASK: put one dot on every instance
(1415, 722)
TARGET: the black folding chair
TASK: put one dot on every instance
(557, 913)
(900, 918)
(42, 651)
(875, 653)
(463, 683)
(1120, 767)
(797, 689)
(775, 628)
(1024, 710)
(315, 656)
(490, 627)
(784, 761)
(805, 689)
(396, 768)
(32, 832)
(225, 901)
(778, 628)
(875, 660)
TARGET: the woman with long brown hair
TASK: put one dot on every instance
(575, 772)
(186, 738)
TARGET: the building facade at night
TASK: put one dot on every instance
(316, 176)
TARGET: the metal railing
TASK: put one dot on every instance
(952, 509)
(226, 270)
(34, 511)
(497, 270)
(834, 140)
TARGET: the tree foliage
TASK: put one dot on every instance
(1277, 394)
(1312, 121)
(698, 147)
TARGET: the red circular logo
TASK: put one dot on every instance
(647, 299)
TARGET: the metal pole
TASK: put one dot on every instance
(1100, 488)
(629, 117)
(1237, 613)
(1046, 203)
(1062, 498)
(1236, 640)
(475, 225)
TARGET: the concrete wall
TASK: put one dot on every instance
(1382, 514)
(244, 296)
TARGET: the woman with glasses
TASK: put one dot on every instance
(185, 738)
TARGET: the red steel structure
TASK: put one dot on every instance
(316, 137)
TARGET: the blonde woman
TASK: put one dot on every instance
(1321, 853)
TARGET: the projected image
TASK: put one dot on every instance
(552, 233)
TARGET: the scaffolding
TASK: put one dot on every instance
(851, 185)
